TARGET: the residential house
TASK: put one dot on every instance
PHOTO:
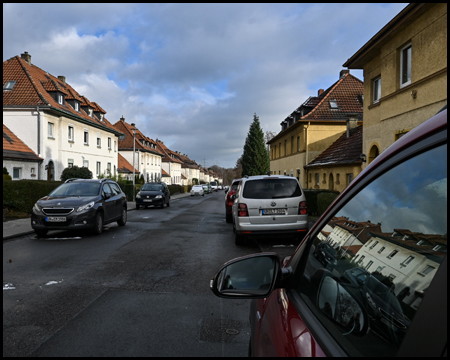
(125, 169)
(147, 156)
(55, 121)
(335, 168)
(165, 177)
(171, 163)
(314, 126)
(189, 169)
(405, 74)
(19, 160)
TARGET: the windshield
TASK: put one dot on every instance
(77, 189)
(152, 187)
(271, 188)
(213, 183)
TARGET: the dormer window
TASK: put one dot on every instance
(9, 85)
(333, 105)
(101, 117)
(90, 111)
(76, 106)
(60, 99)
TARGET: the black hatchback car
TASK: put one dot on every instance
(80, 204)
(155, 193)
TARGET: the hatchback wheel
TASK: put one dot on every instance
(41, 232)
(98, 225)
(138, 207)
(123, 219)
(228, 218)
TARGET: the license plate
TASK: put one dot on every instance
(148, 200)
(55, 219)
(273, 211)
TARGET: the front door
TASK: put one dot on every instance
(50, 171)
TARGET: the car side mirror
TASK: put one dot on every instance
(232, 197)
(341, 306)
(249, 277)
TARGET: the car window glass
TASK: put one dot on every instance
(115, 188)
(107, 189)
(271, 188)
(153, 187)
(76, 189)
(387, 244)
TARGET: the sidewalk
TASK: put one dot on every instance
(20, 227)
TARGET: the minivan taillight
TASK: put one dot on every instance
(242, 210)
(302, 208)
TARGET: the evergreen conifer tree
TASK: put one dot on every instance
(255, 159)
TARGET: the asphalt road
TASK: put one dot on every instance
(137, 290)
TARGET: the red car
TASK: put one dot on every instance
(388, 226)
(228, 201)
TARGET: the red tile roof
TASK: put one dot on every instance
(344, 151)
(14, 148)
(123, 166)
(32, 89)
(170, 156)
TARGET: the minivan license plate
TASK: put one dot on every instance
(55, 219)
(273, 211)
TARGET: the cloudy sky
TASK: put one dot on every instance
(193, 75)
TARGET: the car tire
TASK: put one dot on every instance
(168, 203)
(138, 207)
(98, 224)
(41, 232)
(228, 218)
(123, 219)
(238, 239)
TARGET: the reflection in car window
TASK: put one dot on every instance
(271, 189)
(152, 187)
(76, 189)
(390, 240)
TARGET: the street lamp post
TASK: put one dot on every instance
(134, 150)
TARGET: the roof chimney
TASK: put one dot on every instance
(133, 124)
(343, 72)
(122, 119)
(319, 92)
(26, 57)
(352, 124)
(62, 78)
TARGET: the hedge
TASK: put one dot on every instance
(21, 195)
(317, 201)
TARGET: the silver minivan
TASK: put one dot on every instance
(266, 204)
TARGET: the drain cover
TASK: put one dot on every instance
(221, 330)
(232, 331)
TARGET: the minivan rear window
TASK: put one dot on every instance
(271, 189)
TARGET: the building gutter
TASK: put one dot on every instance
(39, 141)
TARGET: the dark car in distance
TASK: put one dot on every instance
(387, 296)
(229, 201)
(80, 204)
(326, 254)
(154, 193)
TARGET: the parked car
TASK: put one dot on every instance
(153, 193)
(326, 254)
(226, 188)
(228, 200)
(207, 188)
(197, 190)
(301, 308)
(219, 187)
(80, 204)
(213, 185)
(266, 204)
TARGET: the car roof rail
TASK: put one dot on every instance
(70, 180)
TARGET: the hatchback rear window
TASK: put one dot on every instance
(152, 187)
(271, 189)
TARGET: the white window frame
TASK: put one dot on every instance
(86, 137)
(86, 164)
(99, 141)
(19, 173)
(98, 168)
(77, 106)
(377, 89)
(50, 130)
(71, 133)
(404, 52)
(69, 163)
(109, 143)
(60, 99)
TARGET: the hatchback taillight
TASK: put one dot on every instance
(242, 210)
(302, 208)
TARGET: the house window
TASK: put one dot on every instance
(17, 173)
(50, 129)
(99, 141)
(60, 99)
(292, 144)
(317, 179)
(333, 105)
(109, 143)
(405, 66)
(285, 147)
(86, 164)
(70, 163)
(279, 150)
(392, 254)
(377, 90)
(115, 145)
(349, 178)
(407, 260)
(77, 106)
(427, 270)
(337, 178)
(9, 85)
(86, 137)
(70, 133)
(108, 168)
(381, 249)
(298, 143)
(374, 244)
(369, 264)
(98, 167)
